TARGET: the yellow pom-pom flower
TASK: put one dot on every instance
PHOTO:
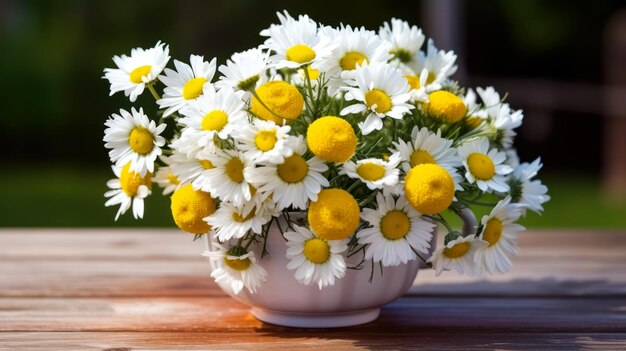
(283, 99)
(429, 188)
(335, 214)
(331, 139)
(189, 207)
(446, 106)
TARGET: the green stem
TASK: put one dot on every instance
(153, 92)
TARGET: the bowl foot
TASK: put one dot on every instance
(316, 320)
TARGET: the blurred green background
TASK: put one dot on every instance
(54, 165)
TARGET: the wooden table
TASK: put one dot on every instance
(149, 289)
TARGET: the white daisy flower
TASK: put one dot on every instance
(405, 40)
(381, 90)
(164, 177)
(300, 78)
(485, 166)
(193, 168)
(505, 121)
(228, 180)
(500, 232)
(397, 231)
(265, 141)
(129, 188)
(293, 182)
(135, 71)
(435, 66)
(527, 193)
(186, 83)
(476, 114)
(244, 70)
(237, 270)
(133, 138)
(374, 172)
(315, 260)
(213, 114)
(230, 221)
(428, 147)
(490, 98)
(295, 42)
(458, 254)
(355, 46)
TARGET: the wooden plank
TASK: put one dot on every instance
(81, 262)
(406, 315)
(344, 339)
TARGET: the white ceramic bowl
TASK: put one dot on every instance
(352, 300)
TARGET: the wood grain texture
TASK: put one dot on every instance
(150, 289)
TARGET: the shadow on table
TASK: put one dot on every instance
(520, 314)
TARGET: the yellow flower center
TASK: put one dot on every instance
(313, 73)
(352, 58)
(395, 225)
(234, 170)
(283, 100)
(429, 188)
(189, 207)
(420, 157)
(138, 73)
(239, 218)
(414, 81)
(206, 164)
(238, 265)
(293, 170)
(141, 140)
(493, 231)
(331, 139)
(300, 54)
(214, 120)
(131, 181)
(370, 171)
(456, 251)
(172, 178)
(316, 250)
(446, 106)
(265, 140)
(193, 88)
(474, 121)
(481, 166)
(335, 214)
(380, 99)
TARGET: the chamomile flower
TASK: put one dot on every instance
(244, 70)
(230, 221)
(237, 268)
(458, 254)
(428, 147)
(227, 179)
(476, 114)
(186, 83)
(292, 182)
(192, 168)
(396, 231)
(133, 138)
(374, 172)
(135, 71)
(315, 260)
(295, 42)
(504, 121)
(528, 193)
(165, 178)
(128, 189)
(405, 40)
(355, 47)
(380, 90)
(439, 66)
(485, 166)
(213, 114)
(500, 232)
(265, 141)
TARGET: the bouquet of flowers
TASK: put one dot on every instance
(358, 139)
